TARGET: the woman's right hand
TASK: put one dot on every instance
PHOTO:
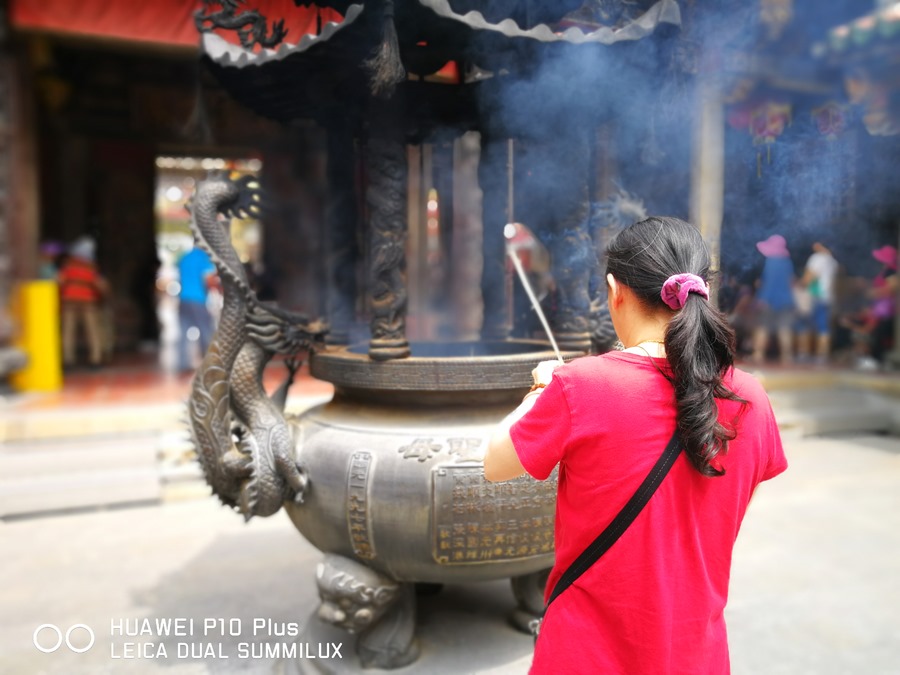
(543, 372)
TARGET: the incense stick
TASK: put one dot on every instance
(534, 301)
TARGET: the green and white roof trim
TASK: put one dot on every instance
(866, 32)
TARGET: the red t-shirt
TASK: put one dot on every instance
(79, 282)
(654, 602)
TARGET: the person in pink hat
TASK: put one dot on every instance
(887, 256)
(775, 298)
(884, 294)
(873, 327)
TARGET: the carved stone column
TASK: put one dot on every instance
(386, 198)
(341, 218)
(466, 259)
(492, 176)
(572, 253)
(561, 180)
(19, 184)
(5, 192)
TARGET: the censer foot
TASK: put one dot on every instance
(390, 643)
(528, 590)
(381, 611)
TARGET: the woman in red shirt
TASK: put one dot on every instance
(654, 602)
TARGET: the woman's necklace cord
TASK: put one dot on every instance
(659, 351)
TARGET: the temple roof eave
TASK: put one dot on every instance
(663, 12)
(327, 72)
(873, 36)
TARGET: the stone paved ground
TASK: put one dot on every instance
(816, 575)
(815, 586)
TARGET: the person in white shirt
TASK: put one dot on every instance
(818, 279)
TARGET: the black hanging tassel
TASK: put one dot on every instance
(385, 65)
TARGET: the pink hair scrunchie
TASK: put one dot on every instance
(675, 290)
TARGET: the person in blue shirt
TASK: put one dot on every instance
(775, 300)
(197, 275)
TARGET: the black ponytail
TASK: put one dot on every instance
(699, 342)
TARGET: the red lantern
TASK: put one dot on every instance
(830, 119)
(768, 121)
(879, 117)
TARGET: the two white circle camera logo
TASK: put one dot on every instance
(59, 637)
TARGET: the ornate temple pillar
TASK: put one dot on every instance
(494, 182)
(466, 256)
(341, 220)
(556, 193)
(443, 173)
(6, 138)
(386, 167)
(19, 184)
(572, 249)
(417, 276)
(708, 170)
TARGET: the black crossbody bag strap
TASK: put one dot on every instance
(620, 523)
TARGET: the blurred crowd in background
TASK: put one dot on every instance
(815, 314)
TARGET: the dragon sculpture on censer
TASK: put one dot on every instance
(248, 449)
(244, 444)
(389, 470)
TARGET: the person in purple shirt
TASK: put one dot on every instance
(196, 275)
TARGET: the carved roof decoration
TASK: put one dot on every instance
(443, 16)
(321, 75)
(228, 54)
(877, 32)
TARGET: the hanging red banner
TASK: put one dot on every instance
(162, 22)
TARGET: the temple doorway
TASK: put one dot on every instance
(176, 177)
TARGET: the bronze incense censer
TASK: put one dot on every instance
(386, 478)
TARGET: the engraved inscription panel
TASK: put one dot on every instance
(358, 505)
(421, 448)
(464, 449)
(475, 521)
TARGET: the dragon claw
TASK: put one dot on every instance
(237, 464)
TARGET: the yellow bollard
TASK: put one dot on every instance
(36, 310)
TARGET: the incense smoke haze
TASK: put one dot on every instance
(801, 185)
